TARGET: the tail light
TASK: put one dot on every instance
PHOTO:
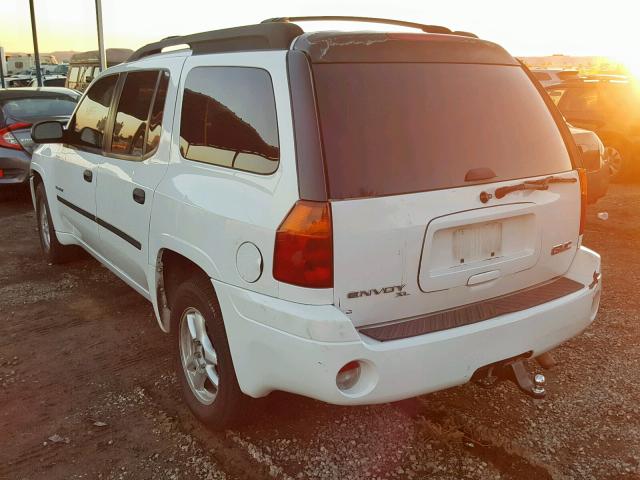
(8, 139)
(303, 253)
(582, 176)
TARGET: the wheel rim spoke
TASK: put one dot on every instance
(213, 375)
(198, 381)
(210, 354)
(195, 327)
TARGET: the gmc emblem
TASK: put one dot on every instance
(563, 247)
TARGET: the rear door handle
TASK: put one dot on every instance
(138, 195)
(88, 175)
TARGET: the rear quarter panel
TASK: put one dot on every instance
(205, 212)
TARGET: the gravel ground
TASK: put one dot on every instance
(87, 390)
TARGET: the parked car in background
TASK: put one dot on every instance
(16, 81)
(49, 81)
(593, 160)
(609, 105)
(19, 109)
(549, 77)
(301, 222)
(84, 67)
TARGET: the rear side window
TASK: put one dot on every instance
(132, 113)
(73, 74)
(87, 127)
(394, 128)
(229, 119)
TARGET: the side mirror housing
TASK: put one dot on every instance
(47, 132)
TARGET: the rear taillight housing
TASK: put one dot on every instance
(8, 139)
(582, 176)
(303, 253)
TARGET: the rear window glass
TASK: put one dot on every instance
(51, 106)
(398, 128)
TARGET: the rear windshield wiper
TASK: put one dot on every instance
(541, 184)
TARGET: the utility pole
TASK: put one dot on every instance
(101, 51)
(2, 66)
(36, 51)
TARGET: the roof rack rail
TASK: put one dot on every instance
(384, 21)
(273, 36)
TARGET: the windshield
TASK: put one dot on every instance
(50, 106)
(394, 128)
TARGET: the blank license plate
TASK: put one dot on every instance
(477, 242)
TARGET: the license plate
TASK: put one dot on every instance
(477, 242)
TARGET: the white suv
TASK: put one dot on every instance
(357, 217)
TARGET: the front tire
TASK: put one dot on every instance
(53, 250)
(204, 365)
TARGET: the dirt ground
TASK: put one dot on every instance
(87, 390)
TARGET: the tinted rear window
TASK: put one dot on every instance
(50, 106)
(396, 128)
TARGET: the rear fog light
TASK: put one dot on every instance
(348, 376)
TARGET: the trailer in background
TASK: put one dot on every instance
(85, 66)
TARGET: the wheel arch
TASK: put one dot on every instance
(36, 178)
(173, 265)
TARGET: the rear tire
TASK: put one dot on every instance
(203, 360)
(617, 158)
(53, 250)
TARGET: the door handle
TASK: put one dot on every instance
(88, 175)
(138, 195)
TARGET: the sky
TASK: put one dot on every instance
(524, 28)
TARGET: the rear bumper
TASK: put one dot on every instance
(15, 165)
(279, 345)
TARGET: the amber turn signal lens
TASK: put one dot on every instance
(303, 253)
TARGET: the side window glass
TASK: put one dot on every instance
(556, 95)
(73, 74)
(229, 119)
(88, 125)
(155, 120)
(132, 113)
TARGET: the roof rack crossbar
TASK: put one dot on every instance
(274, 36)
(384, 21)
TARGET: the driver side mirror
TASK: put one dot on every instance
(47, 132)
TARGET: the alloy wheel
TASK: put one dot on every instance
(198, 357)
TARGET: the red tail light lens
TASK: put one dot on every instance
(582, 176)
(303, 253)
(8, 140)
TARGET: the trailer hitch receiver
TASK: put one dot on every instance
(531, 386)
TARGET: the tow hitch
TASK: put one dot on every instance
(514, 370)
(531, 386)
